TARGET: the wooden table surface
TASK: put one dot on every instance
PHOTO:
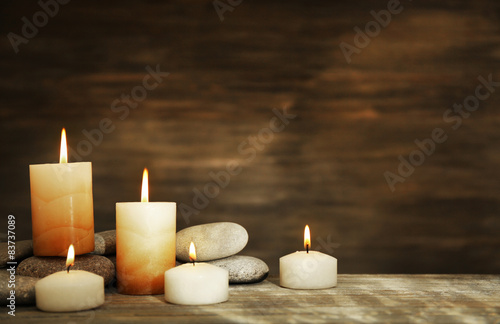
(366, 298)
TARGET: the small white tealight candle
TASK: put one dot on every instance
(308, 269)
(196, 283)
(69, 291)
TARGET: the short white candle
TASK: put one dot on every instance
(145, 244)
(308, 269)
(196, 284)
(69, 291)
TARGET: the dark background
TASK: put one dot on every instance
(325, 169)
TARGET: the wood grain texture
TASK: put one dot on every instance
(357, 298)
(324, 169)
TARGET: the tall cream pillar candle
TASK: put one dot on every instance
(62, 211)
(145, 243)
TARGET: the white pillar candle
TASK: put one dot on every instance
(69, 291)
(308, 269)
(145, 244)
(196, 284)
(62, 211)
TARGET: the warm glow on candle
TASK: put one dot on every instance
(307, 238)
(63, 155)
(192, 252)
(69, 292)
(70, 260)
(145, 187)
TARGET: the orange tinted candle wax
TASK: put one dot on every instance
(145, 244)
(62, 211)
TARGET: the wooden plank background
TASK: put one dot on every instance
(326, 168)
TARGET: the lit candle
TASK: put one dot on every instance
(308, 269)
(62, 211)
(145, 243)
(69, 291)
(196, 283)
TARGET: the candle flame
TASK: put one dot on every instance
(70, 260)
(192, 252)
(307, 238)
(63, 155)
(145, 186)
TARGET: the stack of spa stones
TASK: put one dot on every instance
(216, 243)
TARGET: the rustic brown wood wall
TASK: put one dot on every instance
(326, 168)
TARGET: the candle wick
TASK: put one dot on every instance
(67, 269)
(307, 248)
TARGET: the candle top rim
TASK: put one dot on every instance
(310, 252)
(146, 202)
(196, 265)
(67, 163)
(71, 272)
